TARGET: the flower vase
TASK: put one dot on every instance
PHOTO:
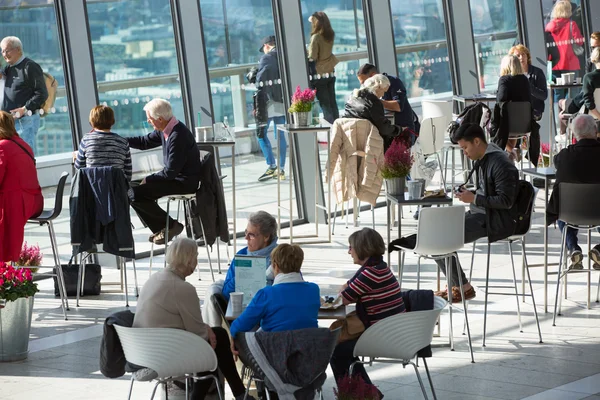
(396, 186)
(15, 324)
(302, 118)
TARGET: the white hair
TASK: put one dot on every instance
(13, 41)
(181, 254)
(584, 127)
(377, 81)
(159, 108)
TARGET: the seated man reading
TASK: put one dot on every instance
(578, 163)
(491, 213)
(180, 175)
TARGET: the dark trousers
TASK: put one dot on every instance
(145, 205)
(226, 366)
(343, 357)
(326, 96)
(474, 229)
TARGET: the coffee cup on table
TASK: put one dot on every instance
(559, 81)
(236, 299)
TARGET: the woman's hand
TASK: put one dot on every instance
(212, 338)
(234, 350)
(344, 286)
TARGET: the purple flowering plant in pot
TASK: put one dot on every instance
(30, 256)
(397, 163)
(302, 102)
(355, 388)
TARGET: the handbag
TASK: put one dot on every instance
(91, 283)
(577, 48)
(352, 327)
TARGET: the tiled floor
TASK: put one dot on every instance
(63, 361)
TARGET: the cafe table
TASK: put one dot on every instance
(338, 313)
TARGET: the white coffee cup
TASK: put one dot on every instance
(236, 299)
(578, 80)
(559, 81)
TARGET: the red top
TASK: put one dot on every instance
(20, 195)
(561, 33)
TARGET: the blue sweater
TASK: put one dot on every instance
(281, 307)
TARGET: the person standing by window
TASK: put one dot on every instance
(536, 78)
(320, 52)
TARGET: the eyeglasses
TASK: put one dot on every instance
(250, 234)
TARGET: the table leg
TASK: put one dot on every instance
(545, 246)
(233, 194)
(291, 162)
(552, 134)
(279, 183)
(389, 228)
(400, 265)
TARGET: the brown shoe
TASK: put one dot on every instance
(174, 230)
(155, 234)
(456, 298)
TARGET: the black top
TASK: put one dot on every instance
(591, 82)
(180, 154)
(24, 86)
(268, 71)
(538, 88)
(513, 88)
(397, 92)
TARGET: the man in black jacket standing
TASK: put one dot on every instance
(578, 163)
(491, 213)
(24, 89)
(181, 172)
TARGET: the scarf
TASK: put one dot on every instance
(292, 277)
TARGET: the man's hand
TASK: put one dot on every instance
(212, 338)
(19, 112)
(234, 350)
(465, 196)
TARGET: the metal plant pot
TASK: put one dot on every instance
(15, 324)
(302, 118)
(395, 186)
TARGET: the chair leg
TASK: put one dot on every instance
(130, 388)
(334, 217)
(449, 283)
(248, 387)
(124, 266)
(526, 268)
(207, 250)
(154, 391)
(79, 279)
(218, 384)
(487, 280)
(598, 291)
(464, 304)
(563, 258)
(443, 180)
(472, 261)
(373, 226)
(420, 381)
(151, 258)
(167, 233)
(418, 272)
(60, 278)
(217, 242)
(512, 261)
(137, 290)
(429, 378)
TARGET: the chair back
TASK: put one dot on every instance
(58, 197)
(519, 117)
(441, 230)
(169, 352)
(437, 108)
(400, 336)
(432, 135)
(577, 203)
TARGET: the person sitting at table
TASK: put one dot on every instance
(261, 239)
(168, 301)
(536, 77)
(101, 147)
(180, 174)
(373, 288)
(577, 163)
(290, 304)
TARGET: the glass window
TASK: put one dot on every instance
(421, 48)
(34, 22)
(495, 32)
(134, 58)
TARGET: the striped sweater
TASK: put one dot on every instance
(104, 149)
(376, 292)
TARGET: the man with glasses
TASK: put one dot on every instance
(24, 89)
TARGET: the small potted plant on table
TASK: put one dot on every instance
(302, 103)
(396, 167)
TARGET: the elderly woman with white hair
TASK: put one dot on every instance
(365, 103)
(168, 301)
(180, 174)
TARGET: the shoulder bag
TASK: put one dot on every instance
(577, 48)
(25, 150)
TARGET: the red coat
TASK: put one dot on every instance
(20, 196)
(561, 33)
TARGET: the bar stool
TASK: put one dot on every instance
(577, 210)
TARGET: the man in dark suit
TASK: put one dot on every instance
(181, 172)
(578, 163)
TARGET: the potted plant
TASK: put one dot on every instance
(302, 102)
(16, 308)
(30, 256)
(545, 155)
(396, 167)
(355, 388)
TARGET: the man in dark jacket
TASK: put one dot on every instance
(181, 172)
(491, 213)
(269, 108)
(594, 42)
(578, 163)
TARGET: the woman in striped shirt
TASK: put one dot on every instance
(101, 147)
(373, 288)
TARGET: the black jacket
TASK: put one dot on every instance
(112, 358)
(86, 229)
(180, 155)
(538, 88)
(578, 163)
(500, 178)
(267, 88)
(25, 86)
(397, 91)
(367, 106)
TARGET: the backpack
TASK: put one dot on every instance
(477, 113)
(523, 207)
(51, 87)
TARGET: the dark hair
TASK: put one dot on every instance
(7, 126)
(468, 132)
(367, 243)
(595, 35)
(367, 69)
(320, 24)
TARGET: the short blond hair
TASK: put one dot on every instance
(510, 65)
(159, 108)
(288, 257)
(521, 49)
(562, 9)
(182, 253)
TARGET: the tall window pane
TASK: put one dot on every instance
(495, 32)
(421, 48)
(135, 59)
(35, 25)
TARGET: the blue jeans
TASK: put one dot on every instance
(572, 242)
(27, 128)
(265, 144)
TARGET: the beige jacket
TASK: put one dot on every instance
(320, 51)
(355, 160)
(168, 301)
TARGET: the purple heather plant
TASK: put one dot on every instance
(397, 161)
(355, 388)
(31, 256)
(302, 100)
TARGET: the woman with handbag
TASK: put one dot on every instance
(376, 292)
(322, 64)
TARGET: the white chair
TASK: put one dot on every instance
(171, 353)
(398, 338)
(431, 138)
(438, 240)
